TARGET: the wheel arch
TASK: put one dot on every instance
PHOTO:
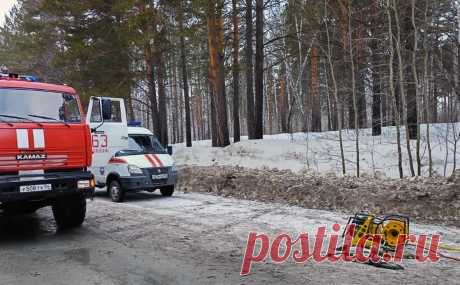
(111, 177)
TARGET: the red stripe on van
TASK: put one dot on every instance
(115, 160)
(151, 160)
(158, 160)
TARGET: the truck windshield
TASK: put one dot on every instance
(18, 105)
(143, 144)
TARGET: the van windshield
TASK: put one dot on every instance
(19, 105)
(143, 144)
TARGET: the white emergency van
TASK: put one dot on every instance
(126, 157)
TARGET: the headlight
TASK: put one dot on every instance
(134, 170)
(84, 184)
(174, 168)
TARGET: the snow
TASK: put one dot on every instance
(320, 152)
(5, 7)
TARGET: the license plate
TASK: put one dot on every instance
(160, 176)
(35, 188)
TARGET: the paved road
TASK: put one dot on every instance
(186, 239)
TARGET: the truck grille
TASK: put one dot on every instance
(158, 171)
(52, 161)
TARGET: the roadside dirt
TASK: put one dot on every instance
(426, 200)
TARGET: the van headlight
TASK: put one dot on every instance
(174, 168)
(135, 170)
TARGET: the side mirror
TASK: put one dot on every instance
(106, 109)
(170, 150)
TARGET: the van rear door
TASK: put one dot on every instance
(109, 128)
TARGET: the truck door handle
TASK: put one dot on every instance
(124, 138)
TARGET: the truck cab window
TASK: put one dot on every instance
(96, 112)
(116, 113)
(70, 111)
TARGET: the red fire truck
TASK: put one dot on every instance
(45, 150)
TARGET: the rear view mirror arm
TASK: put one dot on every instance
(93, 130)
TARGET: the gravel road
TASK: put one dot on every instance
(186, 239)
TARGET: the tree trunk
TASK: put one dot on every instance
(402, 88)
(194, 132)
(199, 115)
(213, 120)
(376, 84)
(259, 71)
(236, 73)
(314, 92)
(415, 78)
(162, 108)
(361, 72)
(175, 117)
(131, 114)
(188, 131)
(181, 119)
(411, 89)
(338, 103)
(376, 104)
(391, 81)
(152, 90)
(426, 94)
(249, 71)
(354, 95)
(199, 105)
(457, 88)
(347, 45)
(215, 24)
(270, 102)
(282, 106)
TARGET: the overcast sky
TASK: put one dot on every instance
(5, 6)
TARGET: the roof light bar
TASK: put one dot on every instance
(134, 124)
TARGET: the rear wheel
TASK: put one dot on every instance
(167, 191)
(117, 194)
(69, 212)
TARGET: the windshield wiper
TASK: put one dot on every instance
(21, 118)
(49, 118)
(6, 122)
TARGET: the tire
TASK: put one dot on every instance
(167, 191)
(69, 212)
(117, 194)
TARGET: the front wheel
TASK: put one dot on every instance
(117, 194)
(167, 191)
(69, 212)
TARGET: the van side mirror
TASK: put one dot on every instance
(170, 150)
(106, 109)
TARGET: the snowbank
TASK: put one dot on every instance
(320, 152)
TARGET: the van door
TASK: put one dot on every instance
(109, 128)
